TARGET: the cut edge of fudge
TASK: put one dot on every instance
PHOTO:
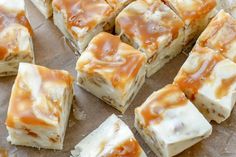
(105, 83)
(79, 44)
(110, 138)
(205, 82)
(41, 119)
(152, 132)
(44, 6)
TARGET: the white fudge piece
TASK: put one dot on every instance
(81, 20)
(39, 107)
(228, 5)
(111, 70)
(209, 80)
(220, 35)
(154, 29)
(112, 138)
(44, 6)
(15, 37)
(196, 15)
(169, 123)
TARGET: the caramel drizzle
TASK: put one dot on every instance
(191, 82)
(10, 17)
(223, 89)
(153, 112)
(23, 98)
(106, 56)
(134, 25)
(83, 13)
(216, 25)
(129, 148)
(202, 10)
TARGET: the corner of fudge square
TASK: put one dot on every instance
(169, 123)
(15, 37)
(154, 29)
(111, 70)
(81, 20)
(39, 107)
(209, 80)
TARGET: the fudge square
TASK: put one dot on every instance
(169, 123)
(81, 20)
(154, 29)
(111, 70)
(209, 81)
(39, 107)
(44, 6)
(112, 138)
(220, 35)
(15, 37)
(196, 15)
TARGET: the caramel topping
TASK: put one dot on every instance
(129, 148)
(153, 112)
(3, 152)
(223, 89)
(22, 100)
(3, 52)
(135, 25)
(198, 9)
(7, 18)
(190, 82)
(108, 54)
(226, 26)
(83, 13)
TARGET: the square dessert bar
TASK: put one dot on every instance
(111, 70)
(220, 35)
(209, 81)
(154, 29)
(169, 123)
(44, 6)
(15, 37)
(112, 138)
(81, 20)
(196, 15)
(39, 107)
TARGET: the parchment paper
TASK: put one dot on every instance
(52, 51)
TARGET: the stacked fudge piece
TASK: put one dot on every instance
(220, 35)
(169, 123)
(153, 28)
(15, 37)
(196, 15)
(113, 138)
(111, 70)
(39, 107)
(81, 20)
(44, 6)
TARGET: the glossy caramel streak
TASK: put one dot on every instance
(7, 18)
(83, 13)
(21, 102)
(129, 148)
(123, 64)
(224, 87)
(135, 25)
(228, 34)
(201, 9)
(153, 111)
(191, 82)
